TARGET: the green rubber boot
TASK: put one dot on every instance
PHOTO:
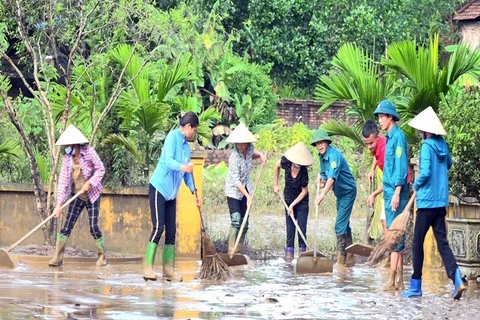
(148, 262)
(232, 237)
(168, 259)
(57, 259)
(102, 260)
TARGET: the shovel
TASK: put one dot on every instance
(294, 221)
(237, 259)
(5, 259)
(359, 248)
(314, 261)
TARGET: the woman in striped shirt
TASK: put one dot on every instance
(238, 186)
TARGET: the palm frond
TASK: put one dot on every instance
(174, 75)
(338, 128)
(128, 143)
(11, 148)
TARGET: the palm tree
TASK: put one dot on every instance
(412, 79)
(358, 80)
(145, 108)
(421, 79)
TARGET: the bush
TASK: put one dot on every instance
(460, 117)
(256, 82)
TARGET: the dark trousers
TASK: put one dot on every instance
(163, 214)
(300, 212)
(74, 210)
(435, 218)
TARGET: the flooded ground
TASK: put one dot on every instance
(261, 290)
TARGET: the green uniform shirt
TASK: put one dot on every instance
(333, 165)
(395, 170)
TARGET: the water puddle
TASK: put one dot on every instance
(261, 290)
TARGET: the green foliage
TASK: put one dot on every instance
(460, 117)
(300, 37)
(356, 79)
(277, 137)
(254, 81)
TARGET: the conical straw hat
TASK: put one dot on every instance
(71, 136)
(427, 121)
(299, 154)
(241, 134)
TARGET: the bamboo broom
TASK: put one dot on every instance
(213, 267)
(394, 235)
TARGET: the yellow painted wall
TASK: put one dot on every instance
(124, 218)
(188, 241)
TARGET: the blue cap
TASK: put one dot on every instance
(386, 107)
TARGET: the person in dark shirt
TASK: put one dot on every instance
(295, 193)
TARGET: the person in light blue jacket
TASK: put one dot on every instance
(431, 186)
(173, 166)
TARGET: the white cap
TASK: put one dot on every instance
(427, 121)
(241, 134)
(71, 136)
(299, 154)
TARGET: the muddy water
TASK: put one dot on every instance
(261, 290)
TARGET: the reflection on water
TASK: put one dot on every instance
(261, 290)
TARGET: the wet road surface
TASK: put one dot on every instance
(261, 290)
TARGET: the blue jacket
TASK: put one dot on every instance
(432, 181)
(333, 165)
(167, 176)
(395, 169)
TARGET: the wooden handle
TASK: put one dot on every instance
(43, 222)
(245, 218)
(294, 221)
(316, 220)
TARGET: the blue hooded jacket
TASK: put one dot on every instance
(167, 176)
(432, 182)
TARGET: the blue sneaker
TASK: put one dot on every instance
(415, 289)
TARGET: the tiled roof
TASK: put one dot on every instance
(470, 11)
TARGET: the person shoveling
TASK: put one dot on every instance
(82, 173)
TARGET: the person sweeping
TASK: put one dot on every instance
(82, 170)
(431, 186)
(395, 183)
(335, 175)
(295, 162)
(238, 186)
(173, 166)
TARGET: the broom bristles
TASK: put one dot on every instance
(394, 235)
(213, 267)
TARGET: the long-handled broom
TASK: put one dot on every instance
(393, 236)
(213, 267)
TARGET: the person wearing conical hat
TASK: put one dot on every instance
(238, 186)
(395, 183)
(295, 162)
(431, 186)
(335, 175)
(173, 166)
(82, 170)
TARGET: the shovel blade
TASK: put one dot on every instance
(5, 260)
(314, 265)
(236, 260)
(360, 249)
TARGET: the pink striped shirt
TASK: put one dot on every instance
(92, 169)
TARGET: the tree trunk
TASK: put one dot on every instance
(40, 195)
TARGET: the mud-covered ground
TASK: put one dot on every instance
(261, 290)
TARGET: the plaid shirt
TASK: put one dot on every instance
(92, 169)
(239, 168)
